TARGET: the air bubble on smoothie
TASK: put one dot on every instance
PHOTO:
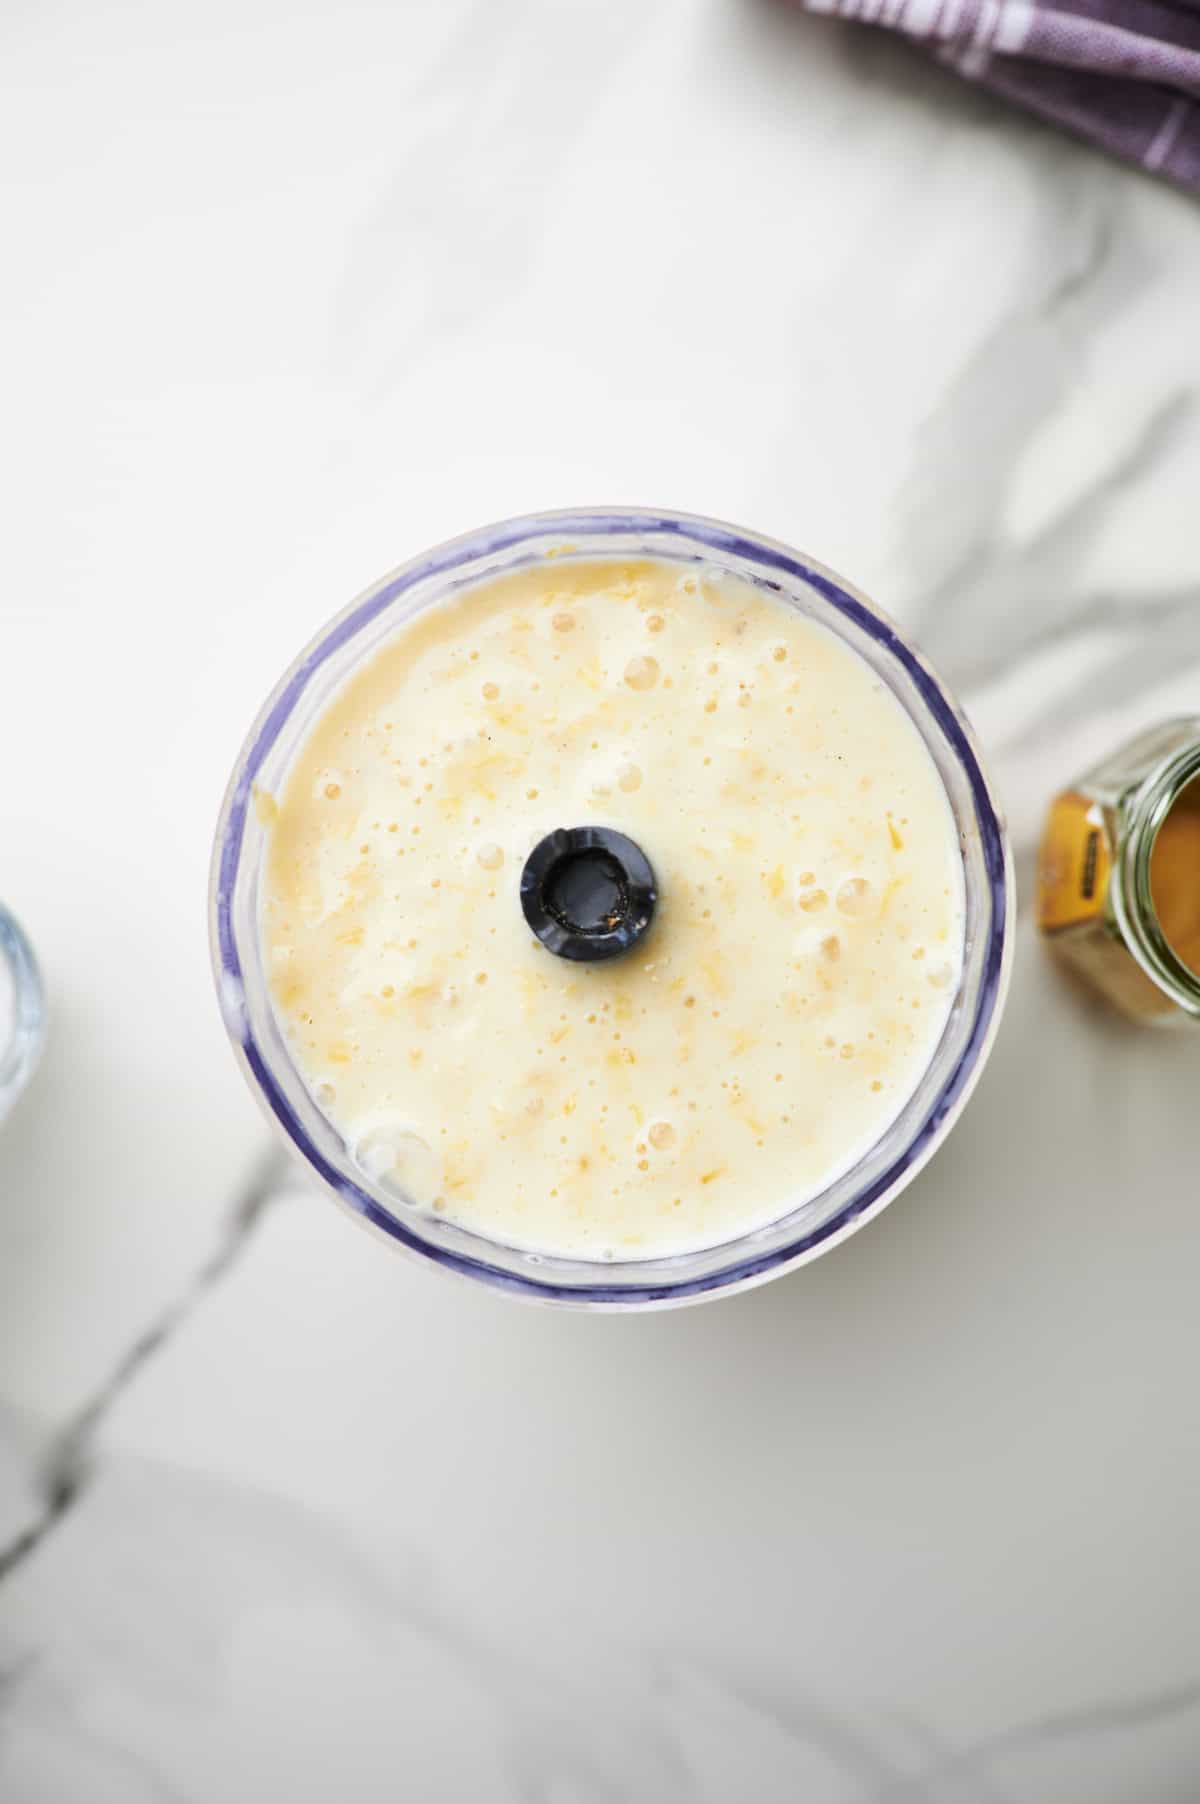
(853, 896)
(940, 976)
(490, 691)
(715, 581)
(491, 857)
(661, 1135)
(641, 673)
(812, 901)
(629, 778)
(325, 1094)
(395, 1157)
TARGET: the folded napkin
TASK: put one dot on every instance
(1125, 73)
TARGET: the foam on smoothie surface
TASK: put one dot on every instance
(797, 974)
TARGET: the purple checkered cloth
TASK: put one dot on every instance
(1125, 73)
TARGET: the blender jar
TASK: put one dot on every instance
(798, 1234)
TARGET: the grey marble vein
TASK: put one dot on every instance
(854, 1753)
(116, 1773)
(428, 264)
(980, 425)
(1158, 634)
(1104, 1717)
(988, 596)
(1010, 598)
(66, 1467)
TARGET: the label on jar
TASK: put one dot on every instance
(1074, 863)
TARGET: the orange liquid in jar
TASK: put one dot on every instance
(1175, 877)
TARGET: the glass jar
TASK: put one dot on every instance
(22, 1011)
(1119, 875)
(820, 1221)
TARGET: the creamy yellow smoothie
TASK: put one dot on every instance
(798, 970)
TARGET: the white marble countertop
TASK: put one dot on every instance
(290, 293)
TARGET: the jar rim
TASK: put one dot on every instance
(1133, 895)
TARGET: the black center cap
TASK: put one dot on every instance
(588, 892)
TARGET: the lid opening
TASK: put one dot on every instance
(588, 892)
